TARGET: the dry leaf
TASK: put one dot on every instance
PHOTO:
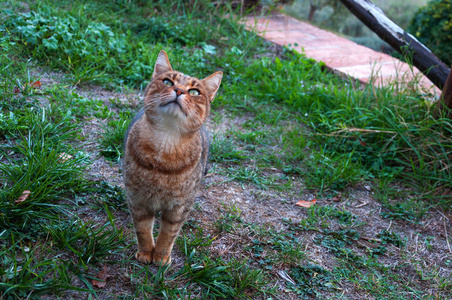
(23, 197)
(337, 198)
(35, 84)
(362, 143)
(306, 204)
(103, 275)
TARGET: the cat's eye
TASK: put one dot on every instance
(168, 82)
(194, 92)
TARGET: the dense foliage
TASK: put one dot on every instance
(432, 25)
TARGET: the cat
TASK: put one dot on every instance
(165, 157)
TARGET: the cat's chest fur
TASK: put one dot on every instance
(162, 167)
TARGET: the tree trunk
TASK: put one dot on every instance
(444, 105)
(400, 40)
(312, 11)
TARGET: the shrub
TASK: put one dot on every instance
(432, 25)
(88, 51)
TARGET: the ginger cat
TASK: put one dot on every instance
(165, 156)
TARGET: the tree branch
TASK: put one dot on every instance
(400, 40)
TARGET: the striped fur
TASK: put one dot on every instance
(166, 149)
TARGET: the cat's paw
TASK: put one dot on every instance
(161, 259)
(144, 257)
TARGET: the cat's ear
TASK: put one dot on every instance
(162, 65)
(212, 83)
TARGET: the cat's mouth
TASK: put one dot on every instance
(175, 102)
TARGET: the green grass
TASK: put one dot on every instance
(284, 127)
(112, 142)
(379, 280)
(223, 150)
(25, 273)
(35, 160)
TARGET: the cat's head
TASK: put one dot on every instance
(173, 99)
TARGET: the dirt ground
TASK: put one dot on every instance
(271, 209)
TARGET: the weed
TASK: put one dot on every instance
(332, 172)
(195, 240)
(318, 217)
(224, 150)
(311, 279)
(294, 145)
(402, 210)
(344, 217)
(87, 51)
(112, 142)
(272, 248)
(74, 104)
(209, 278)
(26, 273)
(336, 242)
(217, 279)
(230, 218)
(389, 237)
(88, 242)
(250, 175)
(43, 164)
(110, 195)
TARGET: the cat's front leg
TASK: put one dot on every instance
(172, 222)
(143, 228)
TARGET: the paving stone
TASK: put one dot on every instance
(339, 54)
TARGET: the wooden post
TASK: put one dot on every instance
(400, 40)
(445, 101)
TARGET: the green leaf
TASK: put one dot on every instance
(209, 49)
(51, 43)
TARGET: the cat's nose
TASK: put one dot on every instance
(179, 91)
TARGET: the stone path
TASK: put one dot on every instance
(339, 54)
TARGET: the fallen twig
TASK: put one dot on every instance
(286, 277)
(361, 205)
(447, 237)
